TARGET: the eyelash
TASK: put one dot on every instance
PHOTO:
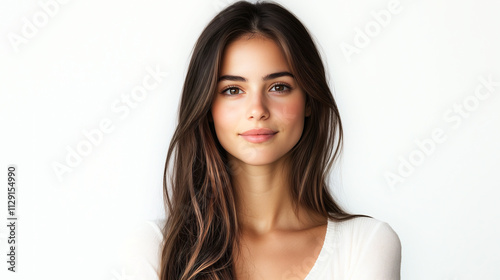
(289, 88)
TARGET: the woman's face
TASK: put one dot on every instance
(256, 90)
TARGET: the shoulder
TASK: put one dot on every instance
(146, 236)
(373, 246)
(366, 228)
(363, 232)
(143, 248)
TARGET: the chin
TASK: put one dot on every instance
(260, 160)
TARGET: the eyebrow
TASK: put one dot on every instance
(265, 78)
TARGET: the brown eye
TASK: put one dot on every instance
(231, 91)
(280, 88)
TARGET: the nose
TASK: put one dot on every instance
(257, 107)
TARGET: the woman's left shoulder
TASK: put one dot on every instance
(366, 232)
(374, 247)
(368, 225)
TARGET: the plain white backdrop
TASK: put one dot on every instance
(89, 97)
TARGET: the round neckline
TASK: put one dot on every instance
(323, 252)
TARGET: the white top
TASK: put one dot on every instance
(357, 249)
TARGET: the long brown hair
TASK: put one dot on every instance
(202, 227)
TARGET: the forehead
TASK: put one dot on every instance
(253, 55)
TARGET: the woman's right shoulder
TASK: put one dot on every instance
(143, 249)
(151, 228)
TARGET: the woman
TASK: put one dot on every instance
(258, 132)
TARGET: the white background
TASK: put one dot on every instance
(65, 75)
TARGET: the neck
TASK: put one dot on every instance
(263, 198)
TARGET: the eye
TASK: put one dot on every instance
(231, 91)
(281, 88)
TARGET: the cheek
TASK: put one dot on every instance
(224, 118)
(292, 112)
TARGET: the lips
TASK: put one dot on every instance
(259, 131)
(258, 135)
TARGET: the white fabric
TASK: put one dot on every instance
(357, 249)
